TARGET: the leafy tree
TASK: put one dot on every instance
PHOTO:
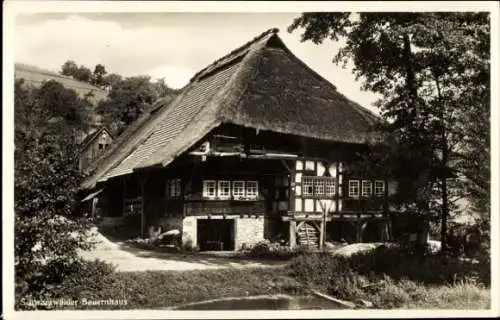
(98, 76)
(111, 80)
(128, 99)
(83, 74)
(69, 68)
(423, 65)
(47, 235)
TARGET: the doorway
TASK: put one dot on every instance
(216, 234)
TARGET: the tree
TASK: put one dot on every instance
(80, 73)
(98, 76)
(128, 99)
(69, 68)
(422, 64)
(111, 80)
(83, 74)
(47, 235)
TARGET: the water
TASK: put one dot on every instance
(280, 302)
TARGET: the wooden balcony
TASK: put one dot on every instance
(196, 206)
(343, 215)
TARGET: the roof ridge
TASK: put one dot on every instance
(237, 50)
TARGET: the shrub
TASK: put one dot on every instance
(343, 275)
(268, 249)
(73, 280)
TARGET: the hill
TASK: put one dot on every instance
(35, 76)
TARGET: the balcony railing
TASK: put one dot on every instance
(206, 206)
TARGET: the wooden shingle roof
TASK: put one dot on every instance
(260, 85)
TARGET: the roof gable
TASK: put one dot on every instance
(260, 85)
(94, 135)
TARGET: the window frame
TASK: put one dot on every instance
(319, 183)
(205, 192)
(381, 187)
(351, 194)
(248, 187)
(322, 187)
(332, 187)
(363, 186)
(235, 188)
(307, 182)
(220, 189)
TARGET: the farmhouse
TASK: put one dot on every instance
(97, 137)
(93, 145)
(256, 146)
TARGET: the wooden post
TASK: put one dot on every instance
(94, 207)
(293, 240)
(322, 234)
(322, 226)
(124, 193)
(143, 199)
(358, 231)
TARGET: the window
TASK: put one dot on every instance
(252, 189)
(175, 187)
(319, 188)
(307, 186)
(353, 188)
(224, 189)
(366, 188)
(330, 187)
(379, 188)
(238, 189)
(209, 188)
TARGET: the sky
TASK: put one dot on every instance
(173, 46)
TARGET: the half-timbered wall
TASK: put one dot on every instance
(298, 179)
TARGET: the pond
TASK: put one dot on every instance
(276, 302)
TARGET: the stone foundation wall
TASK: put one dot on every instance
(248, 231)
(189, 232)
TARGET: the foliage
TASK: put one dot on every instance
(423, 65)
(80, 73)
(395, 262)
(98, 76)
(129, 98)
(171, 288)
(266, 249)
(69, 280)
(46, 180)
(392, 278)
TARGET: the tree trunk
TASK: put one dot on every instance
(410, 76)
(443, 173)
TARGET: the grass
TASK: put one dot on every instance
(174, 288)
(163, 289)
(463, 295)
(389, 279)
(393, 279)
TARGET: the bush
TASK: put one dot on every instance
(268, 249)
(74, 280)
(395, 262)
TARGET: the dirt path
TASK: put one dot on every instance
(128, 258)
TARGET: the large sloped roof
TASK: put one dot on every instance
(260, 85)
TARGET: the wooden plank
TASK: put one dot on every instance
(340, 303)
(322, 234)
(293, 230)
